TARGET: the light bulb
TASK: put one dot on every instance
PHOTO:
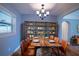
(37, 12)
(42, 10)
(47, 12)
(45, 15)
(40, 15)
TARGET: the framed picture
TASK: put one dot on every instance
(78, 28)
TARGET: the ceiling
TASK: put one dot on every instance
(73, 15)
(55, 9)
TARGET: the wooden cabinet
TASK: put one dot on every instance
(34, 28)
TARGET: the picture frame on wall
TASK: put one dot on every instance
(78, 28)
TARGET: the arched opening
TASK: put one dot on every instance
(65, 30)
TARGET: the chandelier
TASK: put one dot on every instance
(42, 13)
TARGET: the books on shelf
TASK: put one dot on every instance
(39, 28)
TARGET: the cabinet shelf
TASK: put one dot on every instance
(38, 28)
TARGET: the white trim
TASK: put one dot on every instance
(15, 50)
(2, 8)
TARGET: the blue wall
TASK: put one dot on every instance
(31, 17)
(10, 43)
(73, 21)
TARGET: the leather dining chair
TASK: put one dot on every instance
(25, 51)
(77, 40)
(64, 46)
(51, 37)
(23, 48)
(56, 39)
(55, 49)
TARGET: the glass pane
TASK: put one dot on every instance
(5, 29)
(5, 23)
(5, 18)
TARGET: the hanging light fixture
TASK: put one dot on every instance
(42, 13)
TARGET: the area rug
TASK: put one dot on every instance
(44, 51)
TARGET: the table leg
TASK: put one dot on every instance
(58, 54)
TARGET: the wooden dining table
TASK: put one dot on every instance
(43, 42)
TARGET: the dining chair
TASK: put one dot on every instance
(77, 40)
(51, 37)
(56, 39)
(23, 48)
(63, 47)
(25, 51)
(55, 49)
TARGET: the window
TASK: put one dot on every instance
(7, 22)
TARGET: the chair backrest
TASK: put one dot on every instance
(24, 45)
(56, 39)
(51, 37)
(64, 44)
(78, 40)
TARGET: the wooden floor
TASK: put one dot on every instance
(71, 51)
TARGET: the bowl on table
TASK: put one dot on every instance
(36, 40)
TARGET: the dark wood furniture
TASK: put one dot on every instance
(38, 29)
(45, 43)
(34, 28)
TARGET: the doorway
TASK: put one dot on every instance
(65, 30)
